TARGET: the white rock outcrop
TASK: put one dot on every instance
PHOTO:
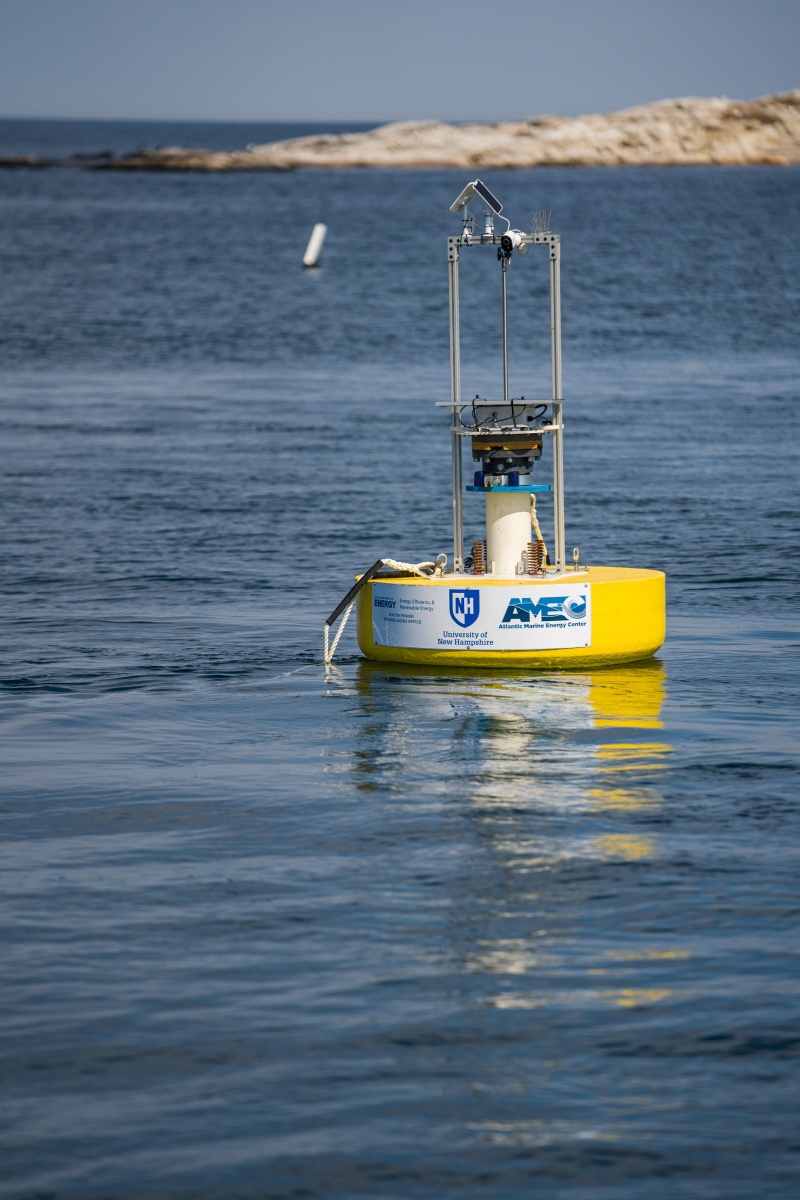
(669, 132)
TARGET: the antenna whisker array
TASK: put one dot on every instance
(540, 220)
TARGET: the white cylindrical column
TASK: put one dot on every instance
(508, 530)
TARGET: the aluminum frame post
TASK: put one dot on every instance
(558, 418)
(455, 396)
(504, 263)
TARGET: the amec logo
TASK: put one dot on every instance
(546, 609)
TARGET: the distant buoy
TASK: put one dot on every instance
(314, 247)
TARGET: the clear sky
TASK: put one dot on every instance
(377, 60)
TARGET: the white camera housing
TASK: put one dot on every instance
(512, 240)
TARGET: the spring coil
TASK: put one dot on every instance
(479, 558)
(534, 557)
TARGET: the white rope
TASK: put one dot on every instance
(423, 568)
(329, 654)
(426, 569)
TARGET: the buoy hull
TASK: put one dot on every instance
(525, 622)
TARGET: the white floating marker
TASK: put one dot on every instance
(314, 247)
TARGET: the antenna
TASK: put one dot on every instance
(540, 219)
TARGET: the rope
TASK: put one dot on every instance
(330, 653)
(424, 568)
(535, 524)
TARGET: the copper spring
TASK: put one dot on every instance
(479, 558)
(534, 557)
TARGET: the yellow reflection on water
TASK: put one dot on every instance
(636, 997)
(629, 697)
(633, 756)
(624, 845)
(628, 997)
(625, 798)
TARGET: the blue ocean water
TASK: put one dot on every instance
(390, 933)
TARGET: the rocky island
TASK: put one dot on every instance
(669, 132)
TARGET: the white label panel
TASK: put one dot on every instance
(518, 617)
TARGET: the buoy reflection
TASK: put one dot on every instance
(552, 780)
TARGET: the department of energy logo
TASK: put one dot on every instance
(465, 604)
(546, 609)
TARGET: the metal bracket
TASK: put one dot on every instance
(354, 590)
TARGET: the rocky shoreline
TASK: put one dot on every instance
(693, 131)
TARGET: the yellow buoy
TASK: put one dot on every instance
(507, 603)
(421, 620)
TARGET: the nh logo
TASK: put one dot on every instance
(465, 604)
